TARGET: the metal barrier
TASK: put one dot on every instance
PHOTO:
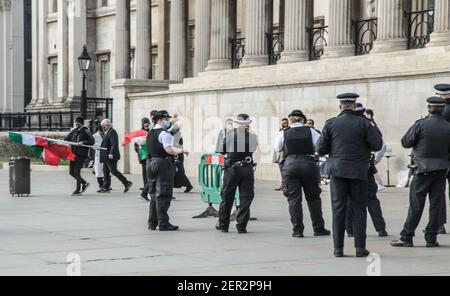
(210, 179)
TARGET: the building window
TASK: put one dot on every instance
(54, 72)
(104, 92)
(155, 64)
(55, 6)
(104, 3)
(132, 61)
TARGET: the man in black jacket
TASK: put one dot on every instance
(443, 91)
(80, 134)
(110, 157)
(430, 139)
(349, 140)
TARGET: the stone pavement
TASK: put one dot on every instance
(110, 235)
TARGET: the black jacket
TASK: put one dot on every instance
(447, 110)
(349, 140)
(430, 140)
(80, 135)
(111, 143)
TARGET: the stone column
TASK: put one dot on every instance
(62, 46)
(441, 34)
(258, 22)
(76, 11)
(43, 52)
(122, 47)
(298, 16)
(143, 55)
(178, 40)
(391, 26)
(163, 40)
(35, 52)
(202, 35)
(2, 62)
(221, 26)
(340, 30)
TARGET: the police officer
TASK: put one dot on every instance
(348, 140)
(443, 91)
(238, 146)
(301, 172)
(161, 171)
(430, 140)
(373, 203)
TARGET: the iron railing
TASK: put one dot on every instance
(237, 52)
(276, 46)
(317, 42)
(98, 109)
(365, 35)
(420, 26)
(37, 121)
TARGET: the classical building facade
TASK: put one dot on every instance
(15, 55)
(210, 59)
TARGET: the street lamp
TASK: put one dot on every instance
(84, 62)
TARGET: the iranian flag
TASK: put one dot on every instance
(51, 151)
(138, 137)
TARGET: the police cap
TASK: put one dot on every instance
(442, 89)
(435, 101)
(161, 114)
(348, 97)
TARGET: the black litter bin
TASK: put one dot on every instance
(19, 176)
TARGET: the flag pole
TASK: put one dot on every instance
(71, 143)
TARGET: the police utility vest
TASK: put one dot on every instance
(154, 148)
(240, 144)
(298, 141)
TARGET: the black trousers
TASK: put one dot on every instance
(75, 171)
(160, 174)
(181, 180)
(242, 177)
(373, 206)
(301, 173)
(444, 206)
(280, 166)
(110, 168)
(353, 194)
(145, 188)
(433, 185)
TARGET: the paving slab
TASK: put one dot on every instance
(109, 234)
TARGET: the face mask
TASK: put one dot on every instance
(167, 124)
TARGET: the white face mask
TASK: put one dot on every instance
(167, 124)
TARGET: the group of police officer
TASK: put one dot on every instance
(350, 141)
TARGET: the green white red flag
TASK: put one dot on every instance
(51, 151)
(138, 137)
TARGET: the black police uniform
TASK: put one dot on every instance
(430, 140)
(161, 173)
(300, 171)
(239, 146)
(349, 139)
(373, 203)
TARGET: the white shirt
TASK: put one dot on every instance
(279, 143)
(380, 154)
(165, 138)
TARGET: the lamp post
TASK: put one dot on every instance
(84, 62)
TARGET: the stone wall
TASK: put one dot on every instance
(395, 85)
